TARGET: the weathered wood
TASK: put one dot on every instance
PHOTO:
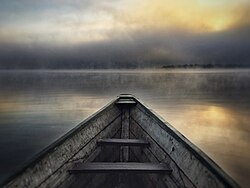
(126, 102)
(125, 133)
(88, 153)
(56, 155)
(130, 167)
(195, 164)
(155, 154)
(88, 180)
(125, 118)
(122, 142)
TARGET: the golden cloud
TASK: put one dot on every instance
(108, 20)
(188, 15)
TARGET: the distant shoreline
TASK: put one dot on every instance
(164, 67)
(205, 66)
(153, 70)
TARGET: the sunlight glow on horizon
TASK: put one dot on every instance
(103, 21)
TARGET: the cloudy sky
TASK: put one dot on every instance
(123, 33)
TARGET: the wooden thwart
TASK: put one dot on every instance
(122, 142)
(130, 167)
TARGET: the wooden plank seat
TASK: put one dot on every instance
(122, 142)
(128, 167)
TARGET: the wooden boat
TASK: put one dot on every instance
(125, 144)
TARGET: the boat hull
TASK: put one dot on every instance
(124, 117)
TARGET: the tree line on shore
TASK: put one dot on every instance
(205, 66)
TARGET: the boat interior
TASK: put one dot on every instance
(120, 158)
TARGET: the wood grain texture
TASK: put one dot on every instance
(193, 163)
(54, 157)
(88, 153)
(123, 142)
(155, 153)
(124, 157)
(128, 167)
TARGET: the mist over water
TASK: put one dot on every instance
(210, 107)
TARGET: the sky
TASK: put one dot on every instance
(123, 33)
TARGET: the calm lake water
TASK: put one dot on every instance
(210, 107)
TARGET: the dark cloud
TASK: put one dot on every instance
(139, 47)
(153, 49)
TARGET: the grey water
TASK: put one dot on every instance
(210, 107)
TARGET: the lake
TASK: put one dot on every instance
(210, 107)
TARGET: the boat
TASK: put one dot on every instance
(124, 144)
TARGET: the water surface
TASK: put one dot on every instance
(210, 107)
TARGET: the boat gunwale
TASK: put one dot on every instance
(48, 149)
(198, 153)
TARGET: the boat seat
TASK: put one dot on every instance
(128, 167)
(122, 142)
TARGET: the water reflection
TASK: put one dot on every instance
(221, 131)
(211, 108)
